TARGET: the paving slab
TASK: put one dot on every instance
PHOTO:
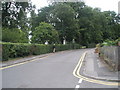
(94, 67)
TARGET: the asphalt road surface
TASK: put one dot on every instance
(53, 71)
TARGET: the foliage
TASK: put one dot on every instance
(14, 14)
(111, 42)
(14, 35)
(88, 26)
(13, 50)
(58, 21)
(45, 32)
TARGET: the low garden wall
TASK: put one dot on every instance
(111, 55)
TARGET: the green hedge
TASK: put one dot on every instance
(13, 50)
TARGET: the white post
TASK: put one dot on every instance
(46, 43)
(73, 40)
(64, 42)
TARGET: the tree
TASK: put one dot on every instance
(14, 14)
(45, 32)
(42, 16)
(86, 25)
(63, 19)
(13, 35)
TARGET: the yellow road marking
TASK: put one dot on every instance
(1, 68)
(22, 63)
(76, 73)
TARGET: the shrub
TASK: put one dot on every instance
(14, 35)
(110, 42)
(13, 50)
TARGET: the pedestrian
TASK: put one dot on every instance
(54, 48)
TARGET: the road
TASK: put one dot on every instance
(53, 71)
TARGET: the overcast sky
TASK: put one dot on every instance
(105, 5)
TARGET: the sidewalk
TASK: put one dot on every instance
(95, 68)
(11, 62)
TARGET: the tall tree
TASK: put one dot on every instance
(62, 17)
(45, 32)
(86, 25)
(42, 16)
(14, 15)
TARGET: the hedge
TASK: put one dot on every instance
(13, 50)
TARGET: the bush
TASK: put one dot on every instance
(13, 50)
(5, 52)
(14, 35)
(110, 42)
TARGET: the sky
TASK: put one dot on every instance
(105, 5)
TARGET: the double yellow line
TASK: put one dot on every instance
(77, 74)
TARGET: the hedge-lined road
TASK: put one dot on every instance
(54, 71)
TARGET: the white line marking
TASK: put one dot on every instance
(77, 86)
(80, 80)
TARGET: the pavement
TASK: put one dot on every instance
(54, 70)
(96, 68)
(24, 59)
